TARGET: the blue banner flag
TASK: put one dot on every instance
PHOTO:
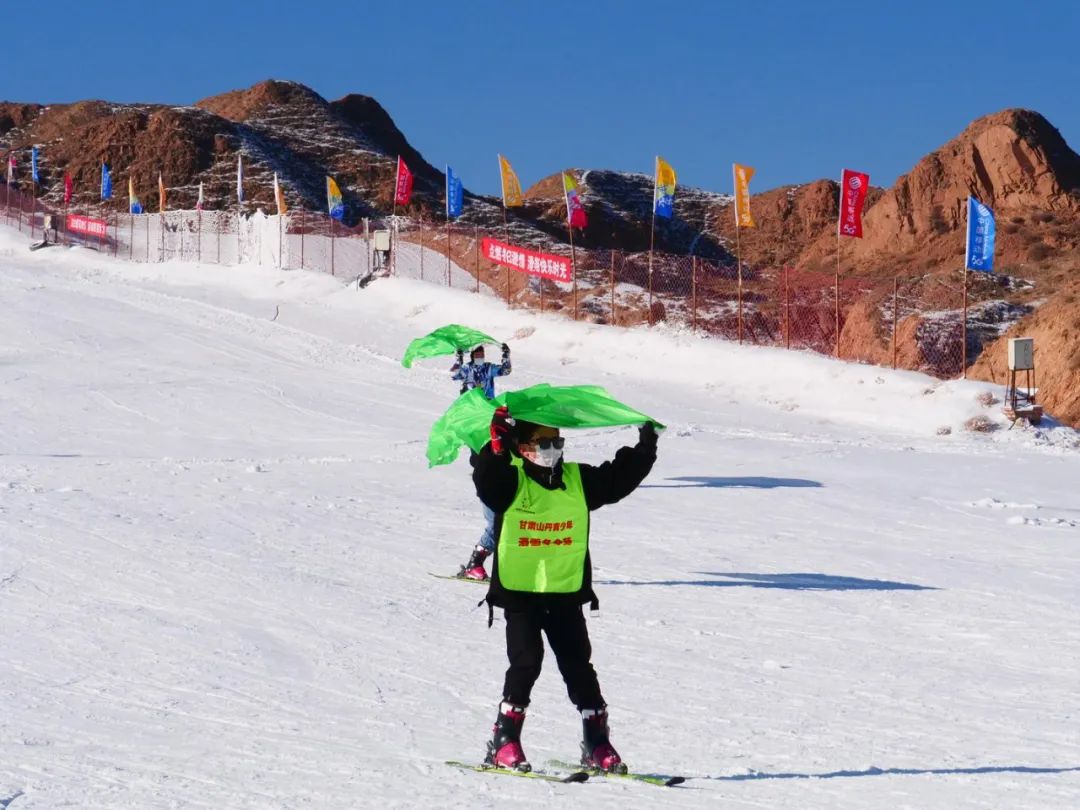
(106, 182)
(455, 196)
(980, 238)
(33, 163)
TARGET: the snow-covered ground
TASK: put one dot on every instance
(217, 528)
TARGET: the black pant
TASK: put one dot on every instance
(569, 640)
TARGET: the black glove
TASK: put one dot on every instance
(505, 351)
(647, 436)
(500, 429)
(460, 357)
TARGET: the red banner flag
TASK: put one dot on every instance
(544, 265)
(853, 188)
(69, 187)
(403, 186)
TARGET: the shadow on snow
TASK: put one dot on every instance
(793, 582)
(741, 777)
(736, 482)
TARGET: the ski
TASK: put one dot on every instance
(576, 775)
(459, 578)
(659, 779)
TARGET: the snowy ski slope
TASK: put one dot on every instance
(217, 528)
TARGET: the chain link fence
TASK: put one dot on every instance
(910, 322)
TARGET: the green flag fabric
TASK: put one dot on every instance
(444, 340)
(466, 422)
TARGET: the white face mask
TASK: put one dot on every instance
(544, 457)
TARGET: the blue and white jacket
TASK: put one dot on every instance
(480, 375)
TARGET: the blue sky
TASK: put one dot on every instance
(798, 90)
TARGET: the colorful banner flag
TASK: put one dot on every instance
(69, 187)
(106, 182)
(575, 211)
(279, 197)
(545, 265)
(333, 199)
(162, 197)
(11, 169)
(853, 188)
(455, 194)
(33, 164)
(979, 250)
(239, 178)
(742, 174)
(664, 189)
(134, 206)
(403, 184)
(511, 187)
(199, 202)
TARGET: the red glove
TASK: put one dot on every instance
(500, 429)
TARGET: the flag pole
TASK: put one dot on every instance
(836, 295)
(963, 346)
(448, 228)
(573, 262)
(738, 262)
(506, 227)
(652, 234)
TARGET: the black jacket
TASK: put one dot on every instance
(496, 481)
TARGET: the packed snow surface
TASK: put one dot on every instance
(217, 529)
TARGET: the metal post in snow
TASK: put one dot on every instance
(787, 310)
(693, 292)
(476, 251)
(614, 314)
(332, 234)
(894, 307)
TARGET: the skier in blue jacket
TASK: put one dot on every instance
(479, 374)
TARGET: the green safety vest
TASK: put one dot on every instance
(544, 536)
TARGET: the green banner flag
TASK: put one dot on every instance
(466, 422)
(445, 340)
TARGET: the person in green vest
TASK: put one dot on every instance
(542, 574)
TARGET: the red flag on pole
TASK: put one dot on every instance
(69, 187)
(853, 188)
(403, 186)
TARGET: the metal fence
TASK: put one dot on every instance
(915, 322)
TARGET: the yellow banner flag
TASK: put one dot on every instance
(511, 188)
(161, 193)
(743, 174)
(664, 189)
(279, 197)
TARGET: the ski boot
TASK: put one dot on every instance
(596, 749)
(474, 568)
(504, 750)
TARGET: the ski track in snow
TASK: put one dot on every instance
(218, 528)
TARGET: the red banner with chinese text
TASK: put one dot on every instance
(544, 265)
(403, 190)
(853, 188)
(78, 223)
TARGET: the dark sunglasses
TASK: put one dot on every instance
(547, 444)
